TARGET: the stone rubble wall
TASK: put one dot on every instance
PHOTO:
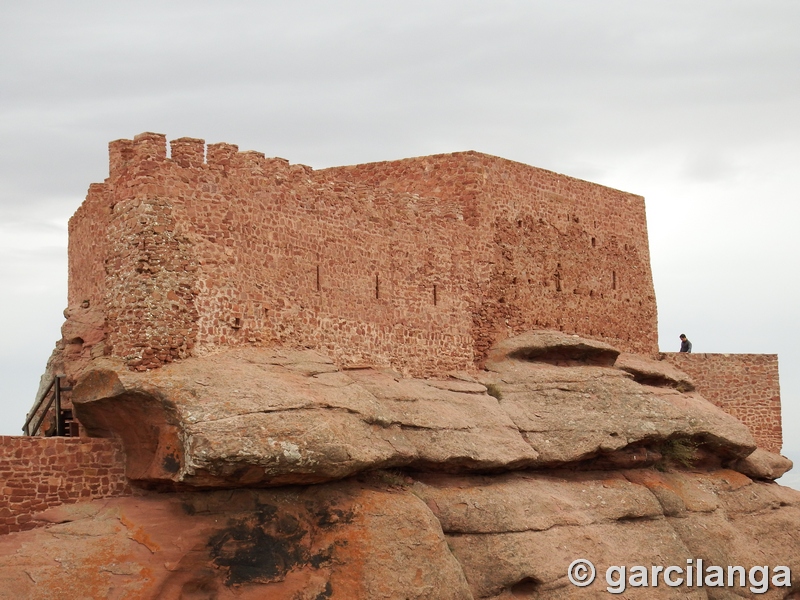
(743, 385)
(420, 264)
(88, 247)
(37, 473)
(548, 251)
(568, 255)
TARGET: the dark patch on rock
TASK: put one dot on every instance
(263, 548)
(566, 356)
(171, 463)
(660, 381)
(324, 556)
(203, 587)
(525, 587)
(326, 593)
(630, 457)
(287, 525)
(327, 516)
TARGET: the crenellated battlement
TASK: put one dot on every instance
(188, 153)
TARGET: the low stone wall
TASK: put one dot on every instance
(743, 385)
(37, 473)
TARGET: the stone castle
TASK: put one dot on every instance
(419, 264)
(412, 378)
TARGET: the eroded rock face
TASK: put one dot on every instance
(281, 475)
(654, 372)
(407, 535)
(515, 535)
(265, 417)
(763, 465)
(347, 540)
(552, 347)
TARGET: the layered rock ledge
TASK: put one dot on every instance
(274, 473)
(265, 417)
(387, 535)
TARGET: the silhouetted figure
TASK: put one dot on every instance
(686, 345)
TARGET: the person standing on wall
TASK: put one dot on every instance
(686, 345)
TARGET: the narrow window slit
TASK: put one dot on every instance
(435, 295)
(377, 287)
(318, 283)
(613, 280)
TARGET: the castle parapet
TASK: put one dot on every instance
(188, 152)
(150, 147)
(221, 155)
(120, 154)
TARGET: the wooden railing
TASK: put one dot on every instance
(52, 395)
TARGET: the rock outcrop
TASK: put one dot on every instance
(277, 474)
(408, 535)
(263, 417)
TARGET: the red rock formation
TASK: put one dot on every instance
(363, 483)
(408, 535)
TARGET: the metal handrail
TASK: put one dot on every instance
(56, 397)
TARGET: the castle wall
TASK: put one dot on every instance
(546, 250)
(244, 250)
(743, 385)
(37, 473)
(567, 255)
(88, 247)
(419, 264)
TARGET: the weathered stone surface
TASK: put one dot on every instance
(255, 417)
(654, 372)
(347, 541)
(552, 347)
(763, 465)
(249, 417)
(516, 534)
(408, 535)
(82, 339)
(533, 501)
(573, 413)
(482, 485)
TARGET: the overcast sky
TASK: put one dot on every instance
(693, 105)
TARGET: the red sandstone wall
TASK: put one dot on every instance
(568, 255)
(37, 473)
(420, 264)
(245, 250)
(744, 385)
(88, 248)
(546, 250)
